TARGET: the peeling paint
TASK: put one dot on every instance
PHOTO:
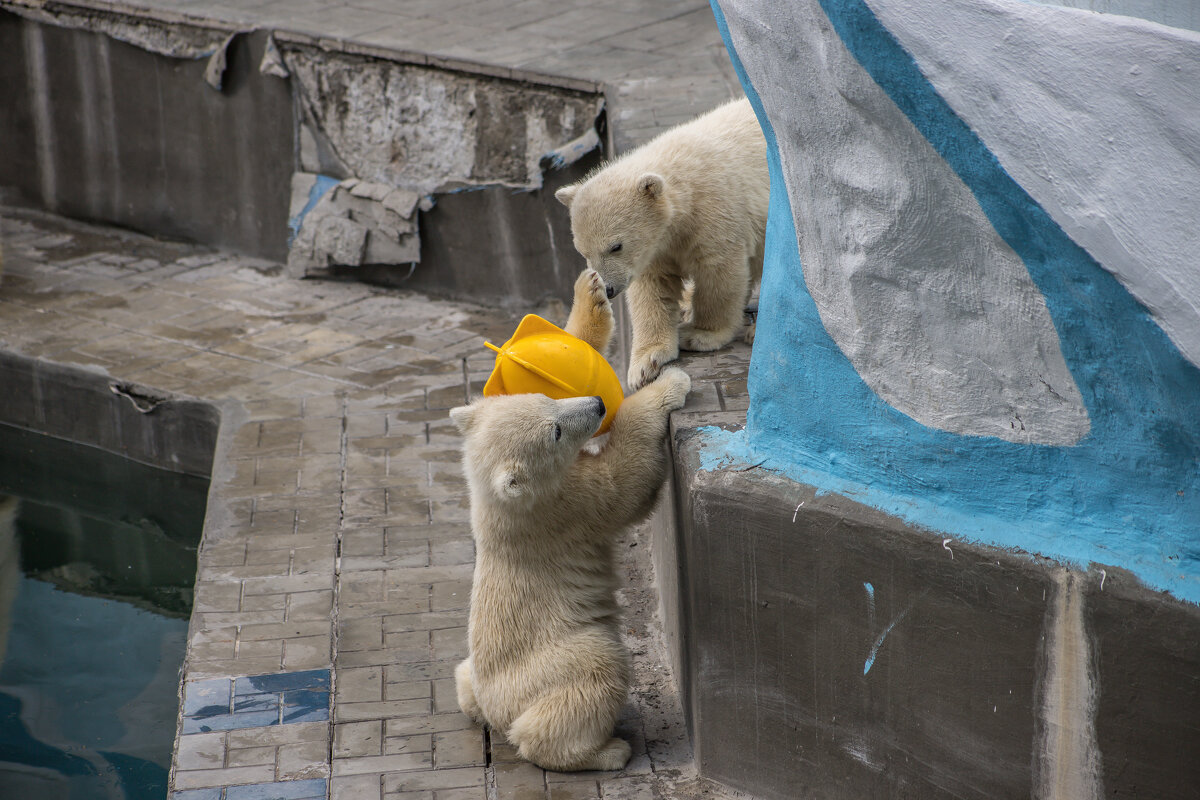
(1067, 759)
(272, 60)
(431, 130)
(214, 72)
(350, 223)
(1112, 481)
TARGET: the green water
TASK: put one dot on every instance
(97, 565)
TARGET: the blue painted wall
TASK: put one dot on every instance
(1126, 495)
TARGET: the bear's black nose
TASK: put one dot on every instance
(611, 291)
(600, 409)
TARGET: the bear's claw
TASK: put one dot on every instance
(590, 286)
(645, 368)
(676, 385)
(591, 317)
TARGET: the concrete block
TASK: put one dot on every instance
(824, 648)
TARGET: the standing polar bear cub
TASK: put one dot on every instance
(691, 204)
(547, 667)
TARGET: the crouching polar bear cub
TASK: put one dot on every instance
(547, 667)
(689, 205)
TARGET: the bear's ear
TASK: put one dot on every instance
(651, 185)
(462, 417)
(511, 482)
(567, 194)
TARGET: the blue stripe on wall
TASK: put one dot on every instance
(1127, 495)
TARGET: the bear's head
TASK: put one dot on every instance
(619, 223)
(518, 448)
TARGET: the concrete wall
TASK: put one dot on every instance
(89, 408)
(827, 650)
(341, 163)
(100, 129)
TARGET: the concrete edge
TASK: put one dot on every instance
(141, 14)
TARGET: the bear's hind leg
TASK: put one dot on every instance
(570, 729)
(466, 692)
(613, 755)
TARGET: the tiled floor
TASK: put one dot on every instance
(333, 583)
(278, 698)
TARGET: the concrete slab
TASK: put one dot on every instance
(825, 649)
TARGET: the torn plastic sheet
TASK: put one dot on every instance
(214, 73)
(573, 150)
(272, 60)
(320, 184)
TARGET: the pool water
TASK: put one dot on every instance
(97, 565)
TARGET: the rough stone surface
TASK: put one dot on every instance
(933, 308)
(429, 130)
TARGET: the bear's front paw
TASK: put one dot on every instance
(675, 385)
(646, 367)
(590, 293)
(591, 316)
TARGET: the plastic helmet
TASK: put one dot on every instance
(542, 358)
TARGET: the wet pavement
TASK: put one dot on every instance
(337, 554)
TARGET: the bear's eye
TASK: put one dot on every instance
(616, 248)
(557, 432)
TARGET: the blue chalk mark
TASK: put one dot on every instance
(1128, 494)
(305, 705)
(311, 789)
(231, 722)
(207, 698)
(322, 185)
(256, 701)
(879, 642)
(212, 793)
(245, 704)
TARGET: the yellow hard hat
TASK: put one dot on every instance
(542, 358)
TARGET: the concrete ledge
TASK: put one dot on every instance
(825, 649)
(92, 409)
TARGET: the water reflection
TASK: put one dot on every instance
(95, 590)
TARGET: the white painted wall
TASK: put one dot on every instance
(1096, 116)
(935, 311)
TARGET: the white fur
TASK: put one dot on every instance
(547, 668)
(689, 205)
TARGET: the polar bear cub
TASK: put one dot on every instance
(547, 667)
(689, 205)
